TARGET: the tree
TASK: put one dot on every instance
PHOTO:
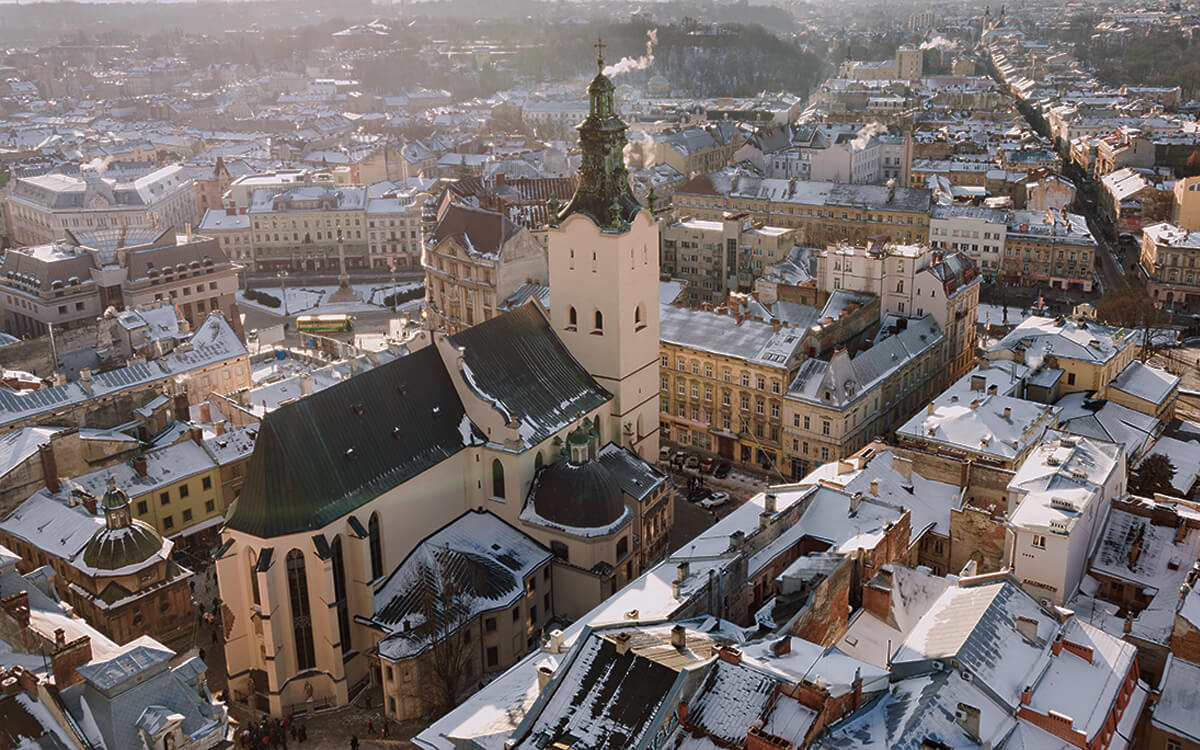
(1132, 308)
(1154, 475)
(446, 607)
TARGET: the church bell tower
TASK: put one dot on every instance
(604, 273)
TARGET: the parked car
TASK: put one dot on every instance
(664, 455)
(714, 500)
(706, 465)
(692, 462)
(678, 458)
(697, 494)
(722, 471)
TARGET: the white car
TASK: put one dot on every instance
(714, 500)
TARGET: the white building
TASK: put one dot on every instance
(43, 208)
(977, 231)
(1057, 503)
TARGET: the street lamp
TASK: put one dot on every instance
(392, 266)
(282, 275)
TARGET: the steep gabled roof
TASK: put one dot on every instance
(325, 455)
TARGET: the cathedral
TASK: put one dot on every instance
(543, 419)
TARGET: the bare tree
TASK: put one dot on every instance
(446, 605)
(1134, 309)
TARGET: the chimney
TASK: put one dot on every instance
(1008, 413)
(682, 571)
(621, 641)
(875, 487)
(49, 467)
(10, 686)
(85, 379)
(903, 465)
(764, 520)
(1028, 628)
(67, 657)
(679, 637)
(1181, 531)
(770, 502)
(932, 408)
(544, 675)
(783, 646)
(1027, 695)
(17, 607)
(967, 717)
(60, 637)
(1128, 626)
(197, 436)
(182, 407)
(139, 465)
(978, 382)
(89, 503)
(731, 654)
(556, 641)
(305, 384)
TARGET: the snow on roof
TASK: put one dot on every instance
(1177, 710)
(1083, 690)
(1060, 478)
(1005, 374)
(912, 593)
(1107, 420)
(1145, 382)
(164, 466)
(1184, 455)
(990, 424)
(232, 445)
(1082, 340)
(832, 516)
(19, 445)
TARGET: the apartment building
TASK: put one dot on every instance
(912, 281)
(394, 233)
(299, 228)
(976, 231)
(824, 212)
(833, 408)
(476, 260)
(1068, 355)
(1054, 249)
(719, 257)
(1168, 263)
(71, 282)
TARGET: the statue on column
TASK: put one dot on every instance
(344, 293)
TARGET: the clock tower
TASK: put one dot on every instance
(603, 252)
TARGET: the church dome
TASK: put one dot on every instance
(581, 495)
(114, 549)
(124, 541)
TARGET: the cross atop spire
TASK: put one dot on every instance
(600, 45)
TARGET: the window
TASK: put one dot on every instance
(516, 614)
(254, 592)
(210, 506)
(164, 498)
(141, 508)
(622, 547)
(1070, 378)
(1039, 541)
(639, 318)
(493, 656)
(183, 491)
(598, 323)
(206, 482)
(187, 515)
(168, 522)
(572, 319)
(497, 479)
(339, 593)
(376, 545)
(824, 426)
(301, 617)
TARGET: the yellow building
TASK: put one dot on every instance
(1186, 212)
(298, 228)
(825, 212)
(833, 408)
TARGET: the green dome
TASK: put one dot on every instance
(113, 499)
(578, 436)
(114, 549)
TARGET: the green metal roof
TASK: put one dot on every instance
(323, 456)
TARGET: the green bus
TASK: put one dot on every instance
(324, 323)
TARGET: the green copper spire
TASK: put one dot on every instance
(603, 193)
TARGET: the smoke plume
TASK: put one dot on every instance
(628, 64)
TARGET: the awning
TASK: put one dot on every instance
(196, 528)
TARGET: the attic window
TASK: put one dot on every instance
(437, 410)
(402, 389)
(396, 433)
(351, 454)
(358, 408)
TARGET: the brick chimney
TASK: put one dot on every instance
(1027, 695)
(67, 657)
(89, 502)
(17, 607)
(49, 468)
(197, 436)
(621, 641)
(783, 646)
(139, 465)
(757, 739)
(679, 637)
(182, 411)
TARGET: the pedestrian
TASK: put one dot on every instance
(303, 733)
(214, 637)
(370, 727)
(354, 742)
(192, 586)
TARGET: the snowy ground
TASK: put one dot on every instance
(994, 314)
(277, 369)
(312, 299)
